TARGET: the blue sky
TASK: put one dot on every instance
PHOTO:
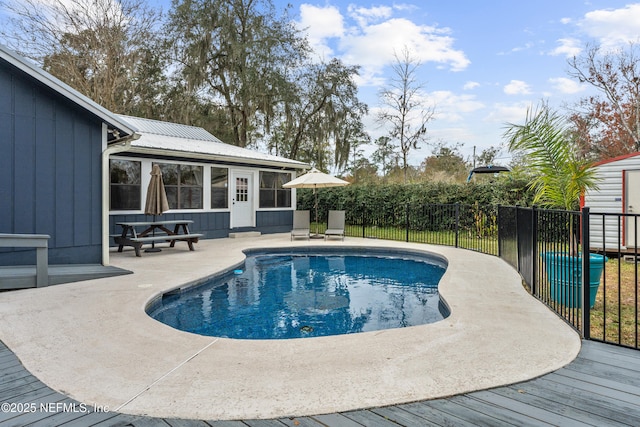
(483, 62)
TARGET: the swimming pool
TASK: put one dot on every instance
(309, 293)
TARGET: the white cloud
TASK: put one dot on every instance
(508, 113)
(320, 24)
(613, 27)
(517, 87)
(568, 47)
(365, 16)
(374, 46)
(526, 46)
(371, 36)
(566, 86)
(470, 85)
(451, 107)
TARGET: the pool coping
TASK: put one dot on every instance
(93, 341)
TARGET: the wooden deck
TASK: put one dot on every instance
(601, 387)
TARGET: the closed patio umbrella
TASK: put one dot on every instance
(315, 179)
(157, 202)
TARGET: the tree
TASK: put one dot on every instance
(445, 164)
(236, 55)
(559, 174)
(404, 109)
(364, 172)
(488, 156)
(609, 124)
(321, 115)
(106, 49)
(385, 155)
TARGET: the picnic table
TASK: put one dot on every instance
(155, 231)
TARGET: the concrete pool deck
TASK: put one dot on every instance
(94, 342)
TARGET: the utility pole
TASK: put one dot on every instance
(474, 156)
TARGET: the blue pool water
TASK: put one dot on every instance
(297, 295)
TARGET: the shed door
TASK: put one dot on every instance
(633, 206)
(242, 212)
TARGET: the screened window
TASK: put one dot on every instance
(124, 193)
(219, 188)
(272, 195)
(183, 184)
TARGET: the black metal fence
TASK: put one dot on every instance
(471, 227)
(583, 265)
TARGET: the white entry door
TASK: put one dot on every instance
(633, 206)
(242, 214)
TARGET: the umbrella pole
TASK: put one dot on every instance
(315, 194)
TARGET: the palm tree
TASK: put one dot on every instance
(561, 175)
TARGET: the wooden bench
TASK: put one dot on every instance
(137, 242)
(155, 232)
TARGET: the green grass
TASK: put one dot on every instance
(466, 239)
(615, 315)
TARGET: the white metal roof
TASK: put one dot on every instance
(65, 90)
(174, 139)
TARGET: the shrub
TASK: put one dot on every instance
(389, 199)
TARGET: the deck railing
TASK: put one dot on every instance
(555, 252)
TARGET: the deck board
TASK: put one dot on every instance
(600, 387)
(403, 417)
(548, 403)
(428, 411)
(463, 410)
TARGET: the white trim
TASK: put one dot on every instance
(145, 169)
(106, 189)
(219, 158)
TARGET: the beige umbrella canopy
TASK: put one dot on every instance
(315, 179)
(157, 202)
(156, 195)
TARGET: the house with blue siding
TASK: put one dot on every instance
(71, 169)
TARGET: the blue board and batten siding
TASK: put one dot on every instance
(274, 221)
(213, 225)
(50, 171)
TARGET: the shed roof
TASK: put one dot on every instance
(158, 137)
(617, 159)
(28, 67)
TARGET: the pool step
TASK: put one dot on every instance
(243, 234)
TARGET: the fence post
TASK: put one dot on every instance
(586, 265)
(517, 222)
(534, 241)
(457, 222)
(498, 226)
(364, 206)
(406, 222)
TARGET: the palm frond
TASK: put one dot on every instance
(560, 176)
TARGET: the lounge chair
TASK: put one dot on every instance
(335, 226)
(300, 224)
